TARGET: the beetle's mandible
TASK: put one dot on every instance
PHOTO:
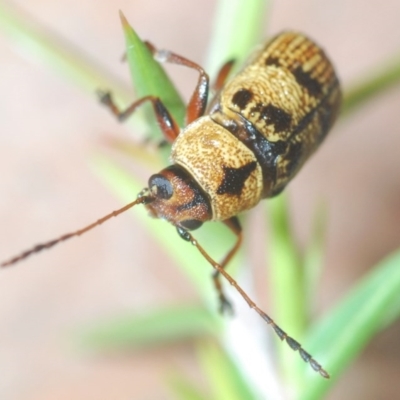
(246, 145)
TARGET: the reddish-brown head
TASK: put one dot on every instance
(175, 196)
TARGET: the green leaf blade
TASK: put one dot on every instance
(160, 326)
(237, 28)
(148, 76)
(379, 81)
(287, 280)
(185, 390)
(348, 328)
(225, 377)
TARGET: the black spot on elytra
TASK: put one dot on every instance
(266, 152)
(242, 97)
(280, 119)
(279, 146)
(327, 115)
(271, 60)
(234, 179)
(294, 156)
(307, 81)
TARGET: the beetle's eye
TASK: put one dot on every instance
(160, 186)
(191, 224)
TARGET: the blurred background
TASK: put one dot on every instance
(48, 130)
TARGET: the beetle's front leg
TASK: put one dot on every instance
(166, 122)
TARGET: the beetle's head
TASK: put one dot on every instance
(175, 196)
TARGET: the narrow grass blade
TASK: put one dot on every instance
(237, 28)
(46, 47)
(160, 326)
(226, 381)
(287, 279)
(185, 390)
(148, 76)
(314, 255)
(379, 81)
(347, 329)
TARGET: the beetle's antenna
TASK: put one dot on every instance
(51, 243)
(293, 344)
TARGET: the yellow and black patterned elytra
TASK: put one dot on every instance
(283, 104)
(249, 142)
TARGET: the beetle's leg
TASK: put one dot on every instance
(168, 125)
(198, 102)
(234, 225)
(222, 75)
(293, 344)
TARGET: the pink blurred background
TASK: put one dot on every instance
(49, 128)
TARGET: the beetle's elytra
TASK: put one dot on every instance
(246, 145)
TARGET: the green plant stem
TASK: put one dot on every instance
(387, 77)
(166, 324)
(237, 28)
(351, 324)
(287, 280)
(48, 48)
(225, 377)
(314, 256)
